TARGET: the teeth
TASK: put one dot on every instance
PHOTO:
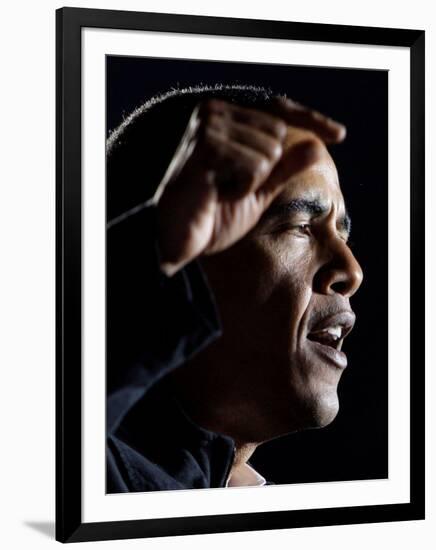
(335, 333)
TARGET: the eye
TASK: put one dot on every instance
(289, 227)
(303, 228)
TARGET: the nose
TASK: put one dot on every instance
(340, 273)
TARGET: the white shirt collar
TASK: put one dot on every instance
(245, 476)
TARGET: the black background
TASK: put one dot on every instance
(355, 445)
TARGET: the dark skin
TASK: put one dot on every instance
(258, 198)
(228, 169)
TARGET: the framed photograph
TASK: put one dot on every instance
(236, 200)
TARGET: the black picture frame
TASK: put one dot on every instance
(69, 525)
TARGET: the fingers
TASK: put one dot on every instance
(299, 157)
(233, 168)
(247, 135)
(237, 149)
(296, 114)
(259, 120)
(280, 112)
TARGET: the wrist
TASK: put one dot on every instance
(169, 260)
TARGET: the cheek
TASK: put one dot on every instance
(261, 285)
(289, 268)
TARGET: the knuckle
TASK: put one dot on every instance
(208, 137)
(316, 143)
(211, 105)
(260, 168)
(215, 121)
(315, 116)
(312, 149)
(279, 128)
(275, 150)
(204, 141)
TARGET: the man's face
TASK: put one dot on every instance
(283, 295)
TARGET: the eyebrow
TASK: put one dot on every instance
(313, 207)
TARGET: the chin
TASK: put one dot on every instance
(323, 410)
(306, 413)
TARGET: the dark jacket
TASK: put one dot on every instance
(154, 324)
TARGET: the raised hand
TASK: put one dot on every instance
(230, 165)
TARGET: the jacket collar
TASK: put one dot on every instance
(159, 429)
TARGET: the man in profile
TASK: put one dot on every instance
(229, 281)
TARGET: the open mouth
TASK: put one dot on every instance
(331, 336)
(331, 331)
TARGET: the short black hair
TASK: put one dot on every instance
(140, 149)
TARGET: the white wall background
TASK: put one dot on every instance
(27, 271)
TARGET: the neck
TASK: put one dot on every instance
(243, 449)
(241, 473)
(207, 407)
(243, 453)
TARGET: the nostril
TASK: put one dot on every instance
(335, 280)
(340, 286)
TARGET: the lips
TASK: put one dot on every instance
(327, 336)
